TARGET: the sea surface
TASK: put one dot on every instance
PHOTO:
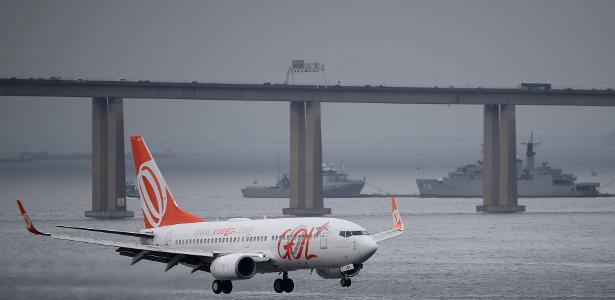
(559, 248)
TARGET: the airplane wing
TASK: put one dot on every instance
(198, 260)
(396, 230)
(128, 233)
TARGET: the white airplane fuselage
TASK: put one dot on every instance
(292, 243)
(238, 248)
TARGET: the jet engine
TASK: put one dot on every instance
(233, 267)
(333, 273)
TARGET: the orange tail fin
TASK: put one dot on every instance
(157, 202)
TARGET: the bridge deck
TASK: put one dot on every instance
(281, 92)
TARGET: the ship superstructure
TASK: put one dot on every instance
(532, 181)
(335, 185)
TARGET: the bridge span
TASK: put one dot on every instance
(499, 133)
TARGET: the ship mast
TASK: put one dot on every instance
(529, 155)
(277, 179)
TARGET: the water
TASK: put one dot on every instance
(558, 248)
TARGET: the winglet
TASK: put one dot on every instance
(26, 219)
(397, 224)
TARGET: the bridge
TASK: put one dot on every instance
(499, 133)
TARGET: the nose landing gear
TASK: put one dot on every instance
(283, 284)
(222, 286)
(345, 282)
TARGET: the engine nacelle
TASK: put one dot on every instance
(233, 267)
(334, 273)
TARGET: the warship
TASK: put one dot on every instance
(532, 181)
(131, 189)
(334, 185)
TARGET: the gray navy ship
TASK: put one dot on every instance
(334, 185)
(532, 181)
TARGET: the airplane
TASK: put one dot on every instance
(238, 248)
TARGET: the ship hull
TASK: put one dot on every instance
(539, 187)
(345, 190)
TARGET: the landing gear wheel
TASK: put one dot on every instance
(227, 286)
(288, 284)
(345, 282)
(278, 285)
(216, 286)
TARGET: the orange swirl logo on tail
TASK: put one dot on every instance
(154, 194)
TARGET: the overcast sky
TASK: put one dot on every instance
(406, 43)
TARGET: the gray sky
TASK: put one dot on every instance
(409, 43)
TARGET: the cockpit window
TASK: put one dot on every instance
(354, 232)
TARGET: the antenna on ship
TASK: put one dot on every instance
(277, 179)
(529, 154)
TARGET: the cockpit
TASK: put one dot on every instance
(349, 233)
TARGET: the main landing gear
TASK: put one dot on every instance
(283, 284)
(345, 282)
(219, 286)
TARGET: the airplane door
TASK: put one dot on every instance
(167, 239)
(323, 240)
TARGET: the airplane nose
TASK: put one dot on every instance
(367, 248)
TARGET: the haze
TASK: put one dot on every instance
(406, 43)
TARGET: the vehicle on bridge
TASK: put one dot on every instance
(535, 86)
(238, 248)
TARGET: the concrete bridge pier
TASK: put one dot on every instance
(305, 161)
(499, 160)
(108, 172)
